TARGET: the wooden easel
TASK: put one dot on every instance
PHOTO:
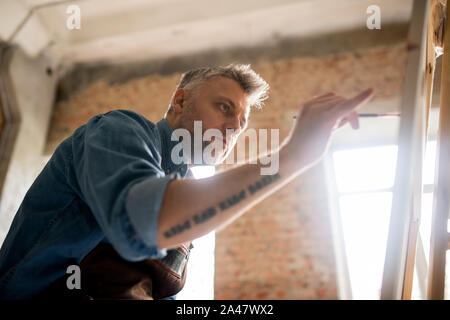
(425, 37)
(440, 239)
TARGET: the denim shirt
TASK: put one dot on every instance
(106, 182)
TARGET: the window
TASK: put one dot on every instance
(200, 269)
(419, 290)
(363, 182)
(364, 178)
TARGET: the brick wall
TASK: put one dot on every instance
(282, 248)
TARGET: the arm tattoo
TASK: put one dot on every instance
(223, 205)
(258, 185)
(177, 229)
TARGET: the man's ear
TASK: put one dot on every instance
(179, 99)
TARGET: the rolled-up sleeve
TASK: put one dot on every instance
(117, 162)
(143, 210)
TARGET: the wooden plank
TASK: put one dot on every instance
(1, 117)
(421, 267)
(410, 259)
(441, 204)
(407, 187)
(434, 45)
(10, 112)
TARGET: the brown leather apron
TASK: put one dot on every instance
(106, 276)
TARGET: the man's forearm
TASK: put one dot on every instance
(192, 208)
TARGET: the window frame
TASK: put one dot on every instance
(343, 273)
(9, 110)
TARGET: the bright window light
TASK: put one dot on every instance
(429, 162)
(200, 269)
(425, 222)
(365, 169)
(365, 224)
(427, 197)
(364, 179)
(200, 172)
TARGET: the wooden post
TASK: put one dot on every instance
(441, 204)
(10, 113)
(434, 45)
(408, 182)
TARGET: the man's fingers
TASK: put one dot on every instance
(330, 103)
(352, 118)
(355, 102)
(341, 123)
(325, 103)
(328, 99)
(329, 94)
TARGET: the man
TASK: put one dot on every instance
(111, 199)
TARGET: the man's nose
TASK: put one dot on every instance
(233, 124)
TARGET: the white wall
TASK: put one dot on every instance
(34, 90)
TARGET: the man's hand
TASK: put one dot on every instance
(187, 199)
(318, 118)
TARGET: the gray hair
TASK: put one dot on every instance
(251, 82)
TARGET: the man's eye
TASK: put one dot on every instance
(224, 107)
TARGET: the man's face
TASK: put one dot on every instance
(220, 103)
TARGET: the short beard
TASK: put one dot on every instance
(187, 122)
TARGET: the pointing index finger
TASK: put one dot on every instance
(356, 101)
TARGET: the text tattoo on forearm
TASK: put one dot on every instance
(221, 206)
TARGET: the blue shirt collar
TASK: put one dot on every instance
(165, 132)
